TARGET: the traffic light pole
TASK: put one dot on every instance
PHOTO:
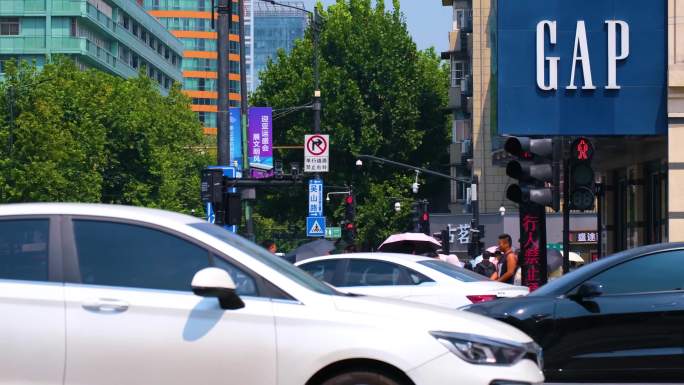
(475, 222)
(566, 208)
(225, 11)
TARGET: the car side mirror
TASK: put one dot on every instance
(217, 283)
(589, 290)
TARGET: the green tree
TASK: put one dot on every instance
(380, 96)
(86, 136)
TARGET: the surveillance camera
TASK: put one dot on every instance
(415, 188)
(397, 206)
(502, 211)
(359, 163)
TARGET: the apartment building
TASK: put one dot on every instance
(116, 36)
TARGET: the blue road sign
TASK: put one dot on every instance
(316, 198)
(315, 227)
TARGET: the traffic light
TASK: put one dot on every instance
(233, 209)
(445, 237)
(349, 228)
(476, 244)
(536, 166)
(581, 175)
(424, 219)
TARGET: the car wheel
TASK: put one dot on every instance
(361, 378)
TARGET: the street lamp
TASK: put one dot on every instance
(315, 31)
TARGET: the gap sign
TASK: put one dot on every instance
(582, 67)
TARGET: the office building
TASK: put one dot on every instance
(116, 36)
(631, 107)
(274, 28)
(190, 21)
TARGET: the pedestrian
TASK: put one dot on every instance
(270, 246)
(508, 260)
(486, 267)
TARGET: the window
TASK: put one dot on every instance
(204, 101)
(452, 271)
(9, 26)
(118, 254)
(459, 70)
(244, 284)
(323, 270)
(24, 249)
(651, 273)
(363, 272)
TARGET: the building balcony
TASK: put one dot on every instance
(127, 38)
(458, 3)
(79, 46)
(455, 98)
(459, 45)
(39, 7)
(467, 85)
(22, 45)
(459, 153)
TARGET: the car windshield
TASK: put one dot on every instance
(262, 255)
(452, 271)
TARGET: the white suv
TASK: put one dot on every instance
(103, 294)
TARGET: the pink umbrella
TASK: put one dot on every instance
(409, 243)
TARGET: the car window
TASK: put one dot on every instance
(118, 254)
(244, 283)
(455, 272)
(364, 272)
(24, 249)
(650, 273)
(323, 270)
(260, 254)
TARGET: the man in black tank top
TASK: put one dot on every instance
(508, 263)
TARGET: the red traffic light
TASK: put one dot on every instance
(350, 226)
(349, 200)
(582, 149)
(426, 217)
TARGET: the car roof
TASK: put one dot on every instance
(98, 210)
(387, 257)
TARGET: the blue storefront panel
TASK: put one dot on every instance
(639, 107)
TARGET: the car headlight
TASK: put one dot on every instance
(487, 351)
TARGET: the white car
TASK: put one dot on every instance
(112, 295)
(408, 277)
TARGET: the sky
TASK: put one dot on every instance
(428, 21)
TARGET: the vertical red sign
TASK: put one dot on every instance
(532, 256)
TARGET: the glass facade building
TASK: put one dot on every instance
(275, 28)
(190, 21)
(116, 36)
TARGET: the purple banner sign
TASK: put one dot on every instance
(260, 142)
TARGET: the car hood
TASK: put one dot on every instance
(431, 318)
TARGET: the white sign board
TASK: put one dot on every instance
(316, 153)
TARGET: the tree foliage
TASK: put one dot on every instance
(86, 136)
(380, 96)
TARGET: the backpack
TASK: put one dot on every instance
(485, 268)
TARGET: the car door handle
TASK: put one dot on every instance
(105, 305)
(540, 317)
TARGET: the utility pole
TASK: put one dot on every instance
(317, 74)
(225, 22)
(566, 208)
(244, 110)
